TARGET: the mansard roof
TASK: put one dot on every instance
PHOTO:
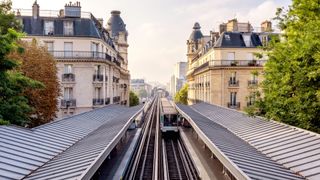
(83, 27)
(236, 40)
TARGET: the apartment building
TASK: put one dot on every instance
(141, 88)
(92, 60)
(222, 67)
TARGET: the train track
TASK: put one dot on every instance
(159, 158)
(144, 163)
(178, 164)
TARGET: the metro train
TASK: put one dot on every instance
(168, 116)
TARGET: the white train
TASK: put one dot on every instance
(168, 116)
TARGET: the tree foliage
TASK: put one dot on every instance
(182, 95)
(14, 106)
(133, 99)
(38, 64)
(292, 73)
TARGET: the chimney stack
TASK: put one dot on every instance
(35, 10)
(266, 26)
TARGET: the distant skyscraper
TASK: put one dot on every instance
(179, 77)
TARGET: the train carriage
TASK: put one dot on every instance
(168, 116)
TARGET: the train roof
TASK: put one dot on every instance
(167, 107)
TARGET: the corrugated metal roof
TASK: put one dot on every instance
(246, 157)
(294, 148)
(72, 144)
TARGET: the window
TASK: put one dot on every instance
(68, 69)
(251, 99)
(227, 37)
(68, 93)
(49, 46)
(233, 78)
(97, 92)
(68, 48)
(94, 49)
(68, 28)
(253, 77)
(264, 40)
(233, 98)
(48, 28)
(97, 69)
(247, 40)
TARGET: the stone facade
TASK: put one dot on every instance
(223, 68)
(92, 61)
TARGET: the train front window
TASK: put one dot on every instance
(170, 120)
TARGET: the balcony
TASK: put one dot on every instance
(107, 101)
(252, 82)
(243, 63)
(68, 77)
(97, 78)
(115, 79)
(233, 83)
(201, 67)
(234, 105)
(68, 103)
(97, 102)
(80, 55)
(116, 99)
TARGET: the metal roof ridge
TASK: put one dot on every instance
(87, 172)
(263, 119)
(242, 174)
(65, 118)
(258, 117)
(71, 144)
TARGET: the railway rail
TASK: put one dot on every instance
(160, 156)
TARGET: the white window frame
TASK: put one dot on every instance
(48, 27)
(68, 28)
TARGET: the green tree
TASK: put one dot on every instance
(182, 95)
(133, 99)
(14, 106)
(292, 73)
(38, 64)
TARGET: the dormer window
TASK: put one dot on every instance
(68, 28)
(227, 37)
(48, 28)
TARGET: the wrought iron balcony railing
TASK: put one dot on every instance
(68, 77)
(252, 82)
(68, 103)
(97, 77)
(221, 63)
(116, 99)
(97, 101)
(234, 105)
(233, 83)
(80, 55)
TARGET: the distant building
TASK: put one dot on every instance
(179, 77)
(139, 86)
(92, 60)
(221, 65)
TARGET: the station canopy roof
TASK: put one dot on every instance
(70, 148)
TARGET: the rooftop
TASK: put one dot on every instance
(68, 148)
(282, 151)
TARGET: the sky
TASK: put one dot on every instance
(158, 29)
